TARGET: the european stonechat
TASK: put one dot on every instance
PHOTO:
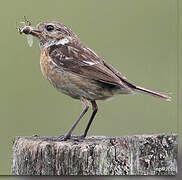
(75, 70)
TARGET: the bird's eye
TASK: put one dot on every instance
(49, 27)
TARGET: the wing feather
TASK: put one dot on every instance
(83, 62)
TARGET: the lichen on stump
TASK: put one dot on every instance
(127, 155)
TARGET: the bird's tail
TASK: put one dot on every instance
(153, 93)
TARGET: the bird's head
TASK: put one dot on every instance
(49, 33)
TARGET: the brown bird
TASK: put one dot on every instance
(77, 71)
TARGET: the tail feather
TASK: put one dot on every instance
(153, 93)
(136, 88)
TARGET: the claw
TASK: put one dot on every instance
(74, 138)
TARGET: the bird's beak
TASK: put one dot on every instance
(30, 30)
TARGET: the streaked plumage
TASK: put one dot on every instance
(77, 71)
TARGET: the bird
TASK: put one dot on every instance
(77, 71)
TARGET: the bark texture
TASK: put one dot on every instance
(127, 155)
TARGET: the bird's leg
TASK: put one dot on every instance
(85, 109)
(95, 109)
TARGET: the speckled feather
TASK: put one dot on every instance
(73, 58)
(77, 71)
(73, 84)
(75, 66)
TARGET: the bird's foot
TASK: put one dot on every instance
(78, 138)
(74, 138)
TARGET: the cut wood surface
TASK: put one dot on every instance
(127, 155)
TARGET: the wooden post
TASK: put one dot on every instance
(127, 155)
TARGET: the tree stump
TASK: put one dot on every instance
(127, 155)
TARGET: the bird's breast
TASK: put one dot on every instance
(72, 84)
(49, 69)
(61, 80)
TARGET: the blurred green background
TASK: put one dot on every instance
(138, 37)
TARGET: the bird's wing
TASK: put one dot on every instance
(83, 62)
(119, 75)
